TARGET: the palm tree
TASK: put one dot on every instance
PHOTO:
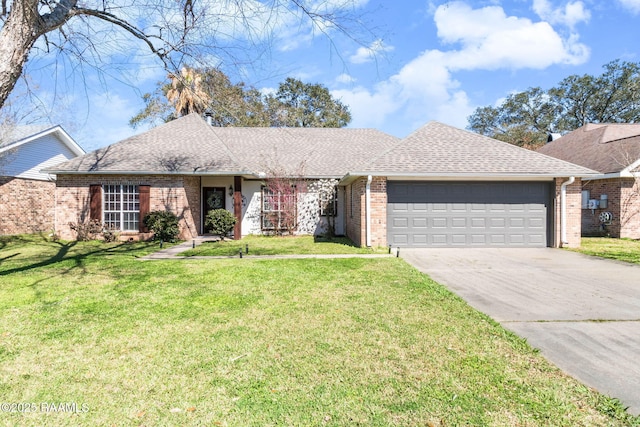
(186, 92)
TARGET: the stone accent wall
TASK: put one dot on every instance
(26, 205)
(178, 194)
(355, 211)
(573, 204)
(623, 202)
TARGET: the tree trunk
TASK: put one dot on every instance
(22, 28)
(17, 36)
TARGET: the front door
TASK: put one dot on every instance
(212, 198)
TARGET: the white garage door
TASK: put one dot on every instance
(468, 213)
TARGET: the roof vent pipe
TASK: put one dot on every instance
(563, 210)
(552, 137)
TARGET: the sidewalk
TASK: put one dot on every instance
(174, 251)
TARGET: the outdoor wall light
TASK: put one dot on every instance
(230, 190)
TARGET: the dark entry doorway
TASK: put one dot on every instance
(212, 198)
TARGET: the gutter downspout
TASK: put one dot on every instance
(368, 210)
(563, 210)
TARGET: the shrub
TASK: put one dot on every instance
(164, 225)
(87, 230)
(110, 234)
(220, 221)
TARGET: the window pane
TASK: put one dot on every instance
(121, 207)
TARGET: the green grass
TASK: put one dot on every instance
(230, 342)
(626, 250)
(276, 245)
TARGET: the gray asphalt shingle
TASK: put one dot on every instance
(439, 149)
(190, 145)
(606, 147)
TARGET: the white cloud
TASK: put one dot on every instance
(368, 54)
(482, 39)
(345, 79)
(490, 39)
(573, 13)
(631, 5)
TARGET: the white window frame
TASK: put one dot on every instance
(274, 203)
(331, 200)
(121, 207)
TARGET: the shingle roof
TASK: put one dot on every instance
(437, 149)
(190, 145)
(607, 148)
(186, 145)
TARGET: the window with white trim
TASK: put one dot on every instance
(121, 207)
(279, 209)
(329, 202)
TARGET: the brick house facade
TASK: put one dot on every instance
(623, 201)
(573, 215)
(356, 219)
(191, 158)
(27, 195)
(175, 193)
(26, 205)
(613, 150)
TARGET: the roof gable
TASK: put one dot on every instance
(186, 145)
(437, 149)
(606, 148)
(20, 135)
(26, 150)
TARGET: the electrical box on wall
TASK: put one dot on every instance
(604, 201)
(585, 199)
(593, 204)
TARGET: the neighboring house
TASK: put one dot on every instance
(611, 199)
(441, 186)
(27, 195)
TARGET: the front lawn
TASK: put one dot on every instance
(277, 245)
(231, 342)
(626, 250)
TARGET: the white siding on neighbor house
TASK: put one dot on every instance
(29, 158)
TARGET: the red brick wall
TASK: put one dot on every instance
(355, 211)
(26, 206)
(178, 194)
(573, 204)
(379, 211)
(623, 202)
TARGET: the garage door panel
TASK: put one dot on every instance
(419, 222)
(439, 239)
(468, 214)
(400, 222)
(439, 223)
(478, 223)
(458, 239)
(459, 222)
(536, 223)
(420, 239)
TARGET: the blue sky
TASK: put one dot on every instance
(429, 60)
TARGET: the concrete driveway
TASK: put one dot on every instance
(583, 313)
